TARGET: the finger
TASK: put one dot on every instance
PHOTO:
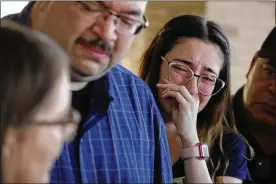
(167, 89)
(175, 112)
(166, 81)
(196, 100)
(177, 96)
(172, 87)
(182, 90)
(163, 85)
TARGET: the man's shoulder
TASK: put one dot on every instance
(16, 17)
(10, 16)
(121, 70)
(20, 17)
(124, 84)
(122, 76)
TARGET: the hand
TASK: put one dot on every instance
(184, 112)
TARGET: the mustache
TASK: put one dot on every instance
(97, 43)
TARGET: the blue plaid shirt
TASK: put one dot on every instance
(121, 140)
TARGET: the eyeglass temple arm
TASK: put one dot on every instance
(165, 60)
(146, 21)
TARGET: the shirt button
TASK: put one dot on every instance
(260, 163)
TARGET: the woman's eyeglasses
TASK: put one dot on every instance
(181, 74)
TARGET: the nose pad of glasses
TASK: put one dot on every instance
(192, 86)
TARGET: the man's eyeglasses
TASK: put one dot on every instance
(182, 74)
(124, 24)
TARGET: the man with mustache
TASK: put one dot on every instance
(255, 111)
(121, 138)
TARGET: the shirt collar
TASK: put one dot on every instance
(100, 91)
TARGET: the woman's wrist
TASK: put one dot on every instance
(189, 142)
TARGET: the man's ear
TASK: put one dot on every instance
(42, 6)
(38, 13)
(253, 61)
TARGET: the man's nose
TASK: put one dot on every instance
(192, 86)
(105, 27)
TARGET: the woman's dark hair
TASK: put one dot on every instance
(212, 123)
(30, 66)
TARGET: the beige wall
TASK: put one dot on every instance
(158, 14)
(246, 23)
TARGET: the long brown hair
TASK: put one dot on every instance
(211, 123)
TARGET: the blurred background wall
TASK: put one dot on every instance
(247, 23)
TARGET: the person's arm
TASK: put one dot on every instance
(237, 172)
(196, 170)
(184, 116)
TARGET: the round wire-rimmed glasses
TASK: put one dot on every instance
(180, 73)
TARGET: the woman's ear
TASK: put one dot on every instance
(42, 6)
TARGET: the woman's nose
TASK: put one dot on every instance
(192, 86)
